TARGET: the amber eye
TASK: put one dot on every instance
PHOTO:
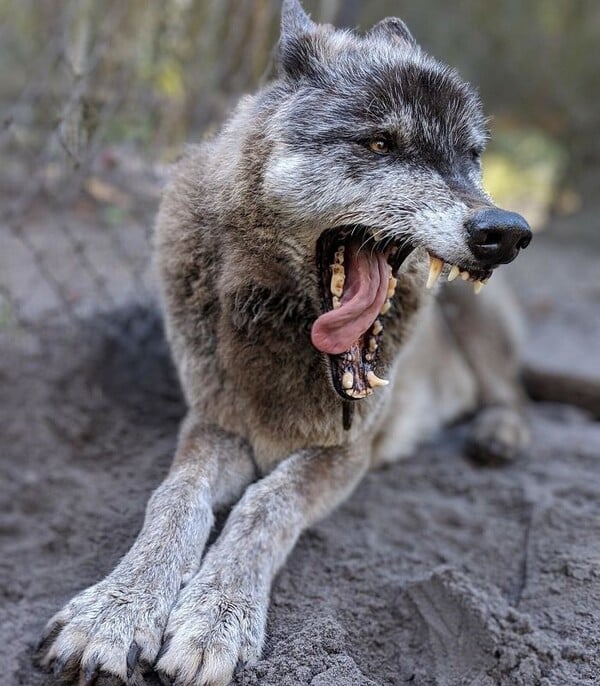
(379, 145)
(475, 154)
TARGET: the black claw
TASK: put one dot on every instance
(163, 649)
(90, 673)
(132, 658)
(48, 635)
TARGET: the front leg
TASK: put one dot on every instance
(219, 619)
(116, 626)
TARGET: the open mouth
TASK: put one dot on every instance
(357, 281)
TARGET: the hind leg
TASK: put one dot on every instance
(487, 329)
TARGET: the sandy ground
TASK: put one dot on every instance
(435, 572)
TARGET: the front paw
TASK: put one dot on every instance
(217, 623)
(113, 630)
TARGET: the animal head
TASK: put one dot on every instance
(376, 133)
(375, 150)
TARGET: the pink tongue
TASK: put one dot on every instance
(365, 291)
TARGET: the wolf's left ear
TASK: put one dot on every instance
(297, 49)
(395, 29)
(294, 19)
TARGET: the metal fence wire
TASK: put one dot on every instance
(90, 93)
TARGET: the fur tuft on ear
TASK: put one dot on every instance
(294, 19)
(393, 29)
(297, 41)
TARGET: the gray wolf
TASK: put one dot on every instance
(299, 253)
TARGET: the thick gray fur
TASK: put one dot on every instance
(235, 248)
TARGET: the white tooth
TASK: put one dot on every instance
(378, 235)
(339, 255)
(337, 283)
(372, 344)
(464, 275)
(337, 303)
(347, 380)
(368, 357)
(454, 272)
(435, 269)
(392, 283)
(359, 394)
(377, 327)
(385, 308)
(477, 286)
(375, 381)
(350, 392)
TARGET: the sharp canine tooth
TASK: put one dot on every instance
(464, 275)
(391, 286)
(435, 269)
(375, 381)
(347, 380)
(454, 272)
(477, 286)
(385, 307)
(377, 327)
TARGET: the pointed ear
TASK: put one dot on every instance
(394, 29)
(297, 45)
(294, 19)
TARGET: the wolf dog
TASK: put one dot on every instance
(299, 252)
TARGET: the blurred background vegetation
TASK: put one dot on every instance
(88, 86)
(154, 73)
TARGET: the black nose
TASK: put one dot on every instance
(496, 236)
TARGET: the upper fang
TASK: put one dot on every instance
(435, 269)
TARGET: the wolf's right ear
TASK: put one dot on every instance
(297, 49)
(394, 29)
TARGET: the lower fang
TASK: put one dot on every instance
(337, 284)
(391, 286)
(454, 272)
(435, 269)
(375, 381)
(347, 380)
(477, 286)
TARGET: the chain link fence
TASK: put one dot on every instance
(97, 97)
